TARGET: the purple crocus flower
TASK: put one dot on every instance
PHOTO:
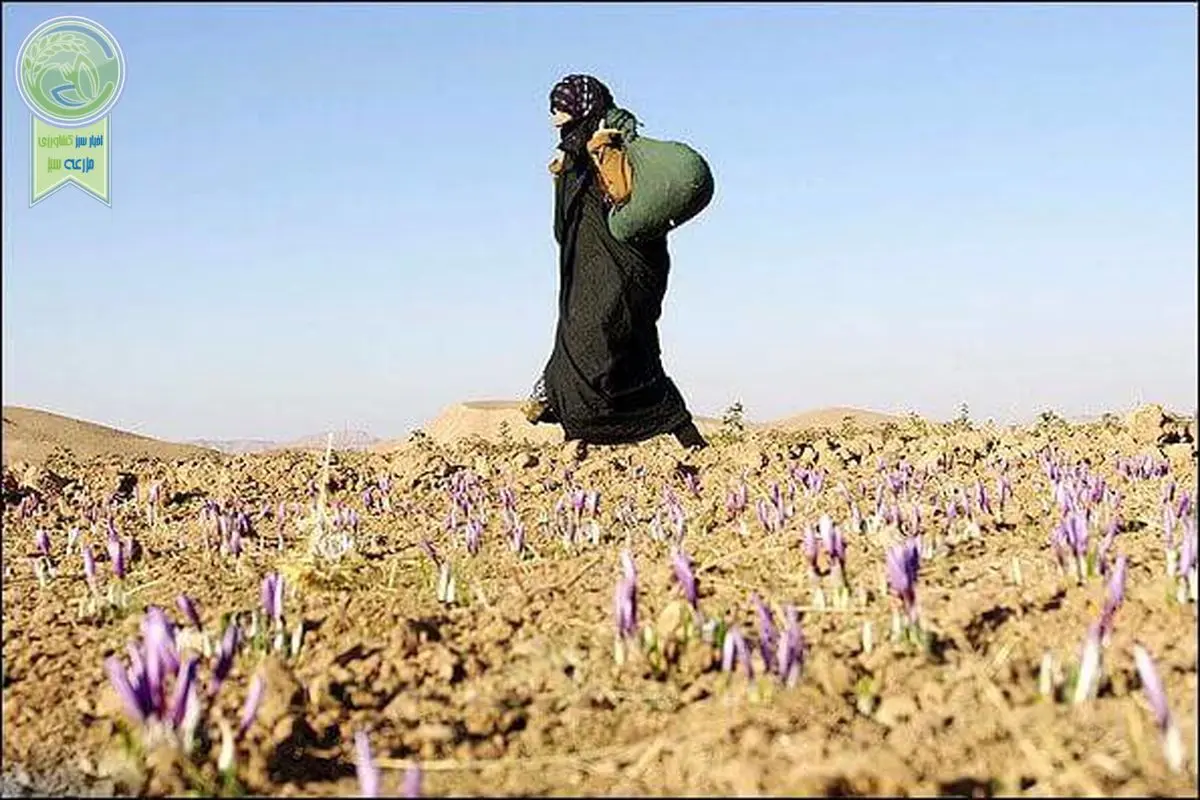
(188, 609)
(89, 566)
(253, 700)
(682, 567)
(764, 514)
(591, 503)
(474, 536)
(272, 596)
(625, 607)
(792, 651)
(903, 565)
(158, 640)
(116, 554)
(428, 549)
(736, 503)
(134, 700)
(1156, 697)
(812, 549)
(1168, 525)
(225, 654)
(518, 537)
(768, 635)
(1114, 598)
(184, 681)
(1187, 548)
(42, 541)
(981, 498)
(412, 782)
(628, 567)
(368, 773)
(1075, 529)
(735, 651)
(625, 597)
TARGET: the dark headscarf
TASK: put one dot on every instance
(587, 100)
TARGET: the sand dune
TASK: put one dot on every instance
(31, 435)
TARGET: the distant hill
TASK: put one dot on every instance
(342, 440)
(31, 435)
(235, 447)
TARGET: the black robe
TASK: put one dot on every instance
(605, 381)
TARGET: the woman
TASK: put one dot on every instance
(604, 382)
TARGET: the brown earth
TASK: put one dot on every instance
(513, 690)
(31, 436)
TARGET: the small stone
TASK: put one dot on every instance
(435, 733)
(1146, 423)
(894, 710)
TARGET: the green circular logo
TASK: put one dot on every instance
(70, 71)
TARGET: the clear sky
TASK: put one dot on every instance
(340, 215)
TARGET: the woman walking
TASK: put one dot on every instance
(604, 382)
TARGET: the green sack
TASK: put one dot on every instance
(671, 184)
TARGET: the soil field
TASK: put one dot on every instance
(902, 609)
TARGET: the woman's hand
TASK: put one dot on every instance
(604, 137)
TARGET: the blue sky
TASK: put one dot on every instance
(329, 216)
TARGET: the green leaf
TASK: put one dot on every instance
(87, 81)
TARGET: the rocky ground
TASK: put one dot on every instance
(512, 687)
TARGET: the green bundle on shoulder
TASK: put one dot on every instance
(672, 183)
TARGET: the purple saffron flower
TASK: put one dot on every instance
(1187, 548)
(188, 609)
(1156, 696)
(792, 651)
(116, 554)
(225, 654)
(1075, 529)
(428, 549)
(768, 635)
(812, 549)
(903, 566)
(42, 541)
(764, 518)
(591, 503)
(368, 773)
(518, 537)
(1185, 506)
(412, 782)
(625, 606)
(474, 536)
(268, 595)
(158, 641)
(253, 700)
(184, 680)
(627, 566)
(734, 651)
(1168, 525)
(682, 567)
(89, 566)
(130, 694)
(1114, 598)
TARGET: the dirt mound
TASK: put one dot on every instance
(831, 418)
(491, 421)
(31, 435)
